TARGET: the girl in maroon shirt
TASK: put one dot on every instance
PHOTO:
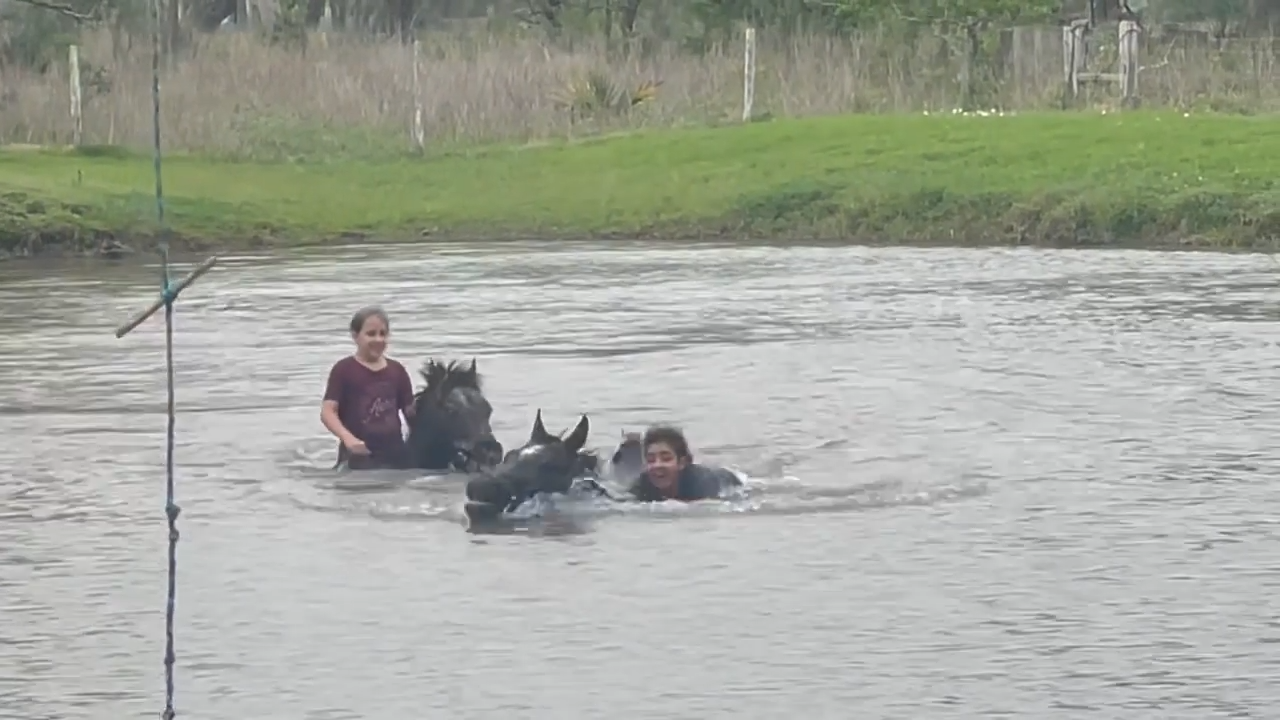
(366, 393)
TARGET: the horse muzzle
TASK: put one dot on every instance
(479, 513)
(491, 491)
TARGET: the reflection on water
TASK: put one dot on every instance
(983, 483)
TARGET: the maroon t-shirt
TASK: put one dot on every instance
(369, 405)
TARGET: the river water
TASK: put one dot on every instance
(986, 483)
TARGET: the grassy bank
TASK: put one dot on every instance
(1145, 178)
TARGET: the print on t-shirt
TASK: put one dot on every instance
(380, 415)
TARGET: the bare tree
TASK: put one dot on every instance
(63, 9)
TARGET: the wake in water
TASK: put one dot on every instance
(759, 496)
(412, 496)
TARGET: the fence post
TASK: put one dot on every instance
(1129, 36)
(1073, 57)
(419, 134)
(749, 75)
(77, 119)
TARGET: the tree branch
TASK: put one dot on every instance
(59, 8)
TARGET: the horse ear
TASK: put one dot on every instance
(578, 438)
(540, 434)
(473, 365)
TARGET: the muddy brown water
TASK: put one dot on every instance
(986, 483)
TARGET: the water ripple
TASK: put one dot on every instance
(998, 483)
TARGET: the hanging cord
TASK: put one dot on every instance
(171, 509)
(168, 295)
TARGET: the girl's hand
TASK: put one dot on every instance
(356, 446)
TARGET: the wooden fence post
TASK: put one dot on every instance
(749, 75)
(77, 119)
(1129, 37)
(419, 133)
(1073, 58)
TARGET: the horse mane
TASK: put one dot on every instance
(443, 378)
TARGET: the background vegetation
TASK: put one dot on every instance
(314, 101)
(315, 79)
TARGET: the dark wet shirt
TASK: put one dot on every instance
(696, 482)
(369, 405)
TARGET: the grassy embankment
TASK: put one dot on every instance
(1143, 178)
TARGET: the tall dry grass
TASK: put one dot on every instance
(235, 93)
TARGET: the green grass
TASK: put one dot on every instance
(1141, 178)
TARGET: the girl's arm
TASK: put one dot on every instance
(329, 407)
(329, 418)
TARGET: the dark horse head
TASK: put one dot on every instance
(450, 428)
(545, 464)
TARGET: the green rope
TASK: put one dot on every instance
(168, 293)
